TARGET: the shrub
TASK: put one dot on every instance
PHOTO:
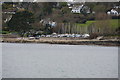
(93, 36)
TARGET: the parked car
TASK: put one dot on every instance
(70, 35)
(78, 35)
(59, 35)
(85, 35)
(37, 37)
(30, 38)
(48, 35)
(42, 35)
(55, 36)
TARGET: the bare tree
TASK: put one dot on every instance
(102, 24)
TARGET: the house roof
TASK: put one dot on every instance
(77, 7)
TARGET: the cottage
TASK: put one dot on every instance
(52, 23)
(113, 12)
(48, 22)
(77, 9)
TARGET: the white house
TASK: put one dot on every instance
(52, 23)
(113, 12)
(49, 22)
(77, 9)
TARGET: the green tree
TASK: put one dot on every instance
(62, 4)
(99, 8)
(7, 5)
(21, 21)
(47, 8)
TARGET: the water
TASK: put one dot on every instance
(0, 61)
(58, 61)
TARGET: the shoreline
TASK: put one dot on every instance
(65, 41)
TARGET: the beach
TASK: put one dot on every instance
(68, 41)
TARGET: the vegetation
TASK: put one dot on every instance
(88, 23)
(113, 22)
(4, 32)
(21, 21)
(29, 15)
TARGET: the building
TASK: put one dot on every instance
(80, 9)
(48, 22)
(52, 23)
(113, 12)
(77, 9)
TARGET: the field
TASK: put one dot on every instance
(111, 26)
(88, 23)
(113, 23)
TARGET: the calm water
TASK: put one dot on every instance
(0, 61)
(59, 61)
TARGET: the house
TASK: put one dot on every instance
(77, 9)
(81, 8)
(48, 22)
(113, 12)
(52, 23)
(86, 9)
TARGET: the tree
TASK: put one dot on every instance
(103, 24)
(21, 21)
(62, 4)
(99, 8)
(7, 5)
(37, 26)
(47, 8)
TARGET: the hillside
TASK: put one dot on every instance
(63, 17)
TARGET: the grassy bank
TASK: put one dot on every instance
(112, 22)
(70, 41)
